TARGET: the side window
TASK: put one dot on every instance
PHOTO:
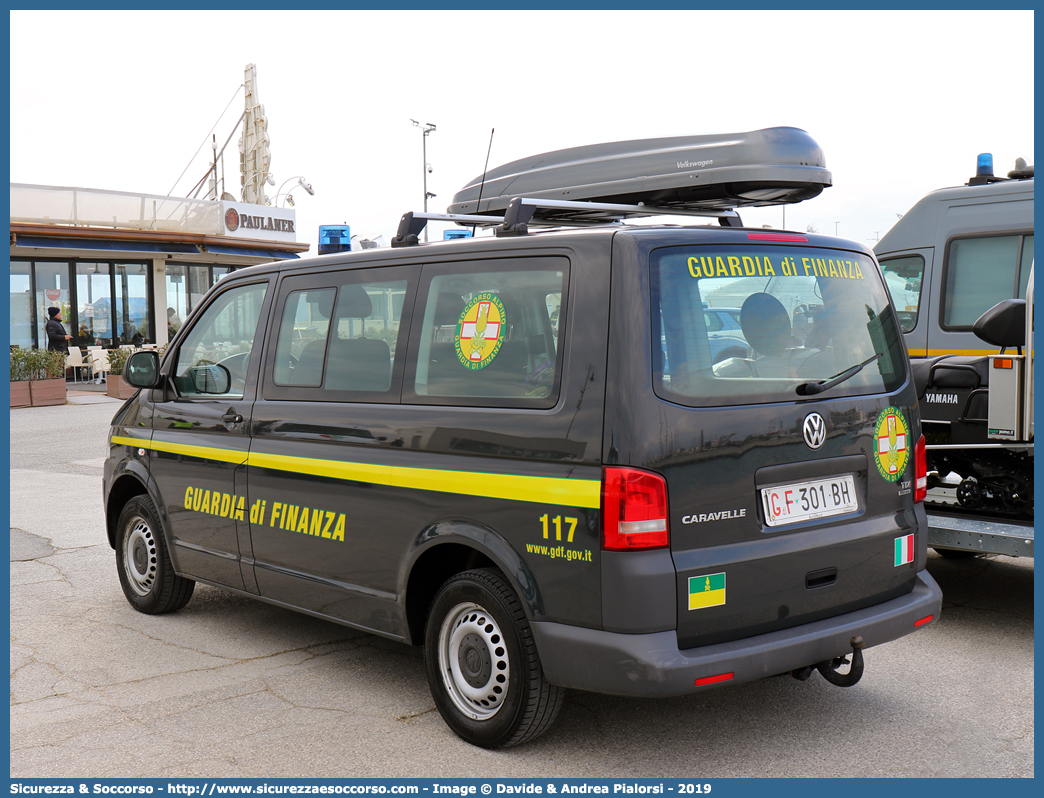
(213, 360)
(338, 336)
(489, 333)
(903, 276)
(980, 272)
(1025, 262)
(301, 347)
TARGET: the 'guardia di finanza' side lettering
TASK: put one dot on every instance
(762, 266)
(290, 517)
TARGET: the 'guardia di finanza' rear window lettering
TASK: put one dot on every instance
(804, 315)
(762, 266)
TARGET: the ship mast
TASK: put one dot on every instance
(254, 157)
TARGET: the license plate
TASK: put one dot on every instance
(803, 501)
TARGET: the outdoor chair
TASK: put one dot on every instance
(99, 364)
(76, 362)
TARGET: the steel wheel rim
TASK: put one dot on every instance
(474, 662)
(140, 557)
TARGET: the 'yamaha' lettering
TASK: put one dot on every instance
(941, 398)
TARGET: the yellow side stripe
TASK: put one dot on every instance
(959, 352)
(514, 487)
(204, 452)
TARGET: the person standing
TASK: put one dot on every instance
(57, 338)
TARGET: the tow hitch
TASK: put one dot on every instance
(830, 666)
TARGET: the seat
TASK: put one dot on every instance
(950, 371)
(75, 361)
(765, 324)
(359, 364)
(309, 368)
(99, 364)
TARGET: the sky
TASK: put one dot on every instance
(901, 102)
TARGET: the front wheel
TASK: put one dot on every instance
(482, 663)
(146, 573)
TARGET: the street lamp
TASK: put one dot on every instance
(426, 128)
(301, 181)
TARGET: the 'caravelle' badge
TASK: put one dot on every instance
(891, 444)
(480, 331)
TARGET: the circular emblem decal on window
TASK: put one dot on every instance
(232, 219)
(480, 331)
(891, 444)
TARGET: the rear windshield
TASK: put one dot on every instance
(748, 324)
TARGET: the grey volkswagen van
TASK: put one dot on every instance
(520, 452)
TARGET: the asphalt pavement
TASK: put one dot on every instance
(232, 687)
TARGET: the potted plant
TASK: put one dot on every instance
(20, 395)
(47, 377)
(115, 385)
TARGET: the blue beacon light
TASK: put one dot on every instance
(985, 164)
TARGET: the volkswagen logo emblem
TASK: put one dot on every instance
(814, 430)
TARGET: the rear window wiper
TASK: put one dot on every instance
(812, 388)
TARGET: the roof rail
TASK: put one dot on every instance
(558, 213)
(520, 211)
(411, 224)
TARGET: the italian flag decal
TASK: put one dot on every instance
(904, 550)
(706, 591)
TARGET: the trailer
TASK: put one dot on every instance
(947, 261)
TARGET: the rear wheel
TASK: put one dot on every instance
(482, 663)
(142, 561)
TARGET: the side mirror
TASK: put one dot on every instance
(142, 370)
(211, 378)
(1004, 324)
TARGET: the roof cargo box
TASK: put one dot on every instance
(764, 167)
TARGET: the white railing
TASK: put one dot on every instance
(93, 207)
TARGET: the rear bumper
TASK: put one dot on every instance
(651, 665)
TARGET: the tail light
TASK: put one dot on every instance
(920, 470)
(634, 510)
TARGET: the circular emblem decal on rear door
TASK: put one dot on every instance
(232, 219)
(891, 444)
(814, 430)
(480, 331)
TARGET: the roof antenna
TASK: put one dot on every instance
(482, 185)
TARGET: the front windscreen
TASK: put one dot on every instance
(739, 324)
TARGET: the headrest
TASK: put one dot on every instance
(324, 305)
(448, 308)
(355, 302)
(765, 324)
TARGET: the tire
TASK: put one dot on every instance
(146, 574)
(956, 554)
(482, 663)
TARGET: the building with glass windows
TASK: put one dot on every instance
(128, 268)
